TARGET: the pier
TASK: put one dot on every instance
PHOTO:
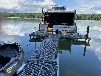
(40, 36)
(44, 61)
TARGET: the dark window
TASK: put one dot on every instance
(59, 18)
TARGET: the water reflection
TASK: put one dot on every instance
(66, 45)
(9, 39)
(11, 29)
(82, 60)
(17, 31)
(95, 34)
(88, 61)
(44, 60)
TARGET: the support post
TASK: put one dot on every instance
(30, 37)
(39, 27)
(87, 32)
(84, 51)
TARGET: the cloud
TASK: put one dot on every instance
(11, 30)
(82, 6)
(18, 28)
(96, 47)
(9, 4)
(24, 5)
(9, 39)
(94, 34)
(88, 6)
(44, 3)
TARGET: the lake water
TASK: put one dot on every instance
(75, 60)
(18, 31)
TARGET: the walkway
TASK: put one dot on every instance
(44, 61)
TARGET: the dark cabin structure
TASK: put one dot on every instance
(59, 18)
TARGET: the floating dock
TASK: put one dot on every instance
(44, 61)
(40, 36)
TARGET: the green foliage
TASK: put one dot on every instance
(23, 15)
(39, 15)
(88, 16)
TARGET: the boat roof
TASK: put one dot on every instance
(60, 12)
(59, 9)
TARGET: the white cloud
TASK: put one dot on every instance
(11, 30)
(17, 28)
(88, 6)
(82, 6)
(44, 3)
(96, 47)
(24, 5)
(94, 34)
(9, 4)
(9, 39)
(98, 11)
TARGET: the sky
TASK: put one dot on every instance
(31, 6)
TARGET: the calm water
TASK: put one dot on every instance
(18, 31)
(72, 61)
(76, 64)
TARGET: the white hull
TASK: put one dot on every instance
(66, 28)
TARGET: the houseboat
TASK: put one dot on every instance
(58, 18)
(11, 58)
(60, 21)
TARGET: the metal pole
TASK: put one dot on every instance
(35, 29)
(87, 32)
(84, 51)
(39, 27)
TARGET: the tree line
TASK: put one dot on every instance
(88, 16)
(22, 15)
(39, 15)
